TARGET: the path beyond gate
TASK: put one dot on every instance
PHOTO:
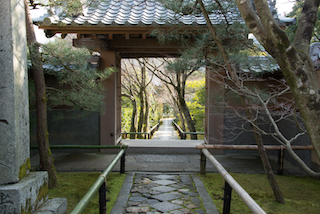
(164, 141)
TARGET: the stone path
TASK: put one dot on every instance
(164, 193)
(166, 131)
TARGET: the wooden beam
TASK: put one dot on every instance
(107, 28)
(129, 45)
(136, 42)
(145, 50)
(253, 147)
(88, 42)
(127, 36)
(110, 36)
(153, 55)
(114, 29)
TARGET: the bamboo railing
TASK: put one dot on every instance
(280, 149)
(147, 135)
(252, 205)
(183, 134)
(99, 184)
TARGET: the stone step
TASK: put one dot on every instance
(162, 150)
(53, 206)
(163, 147)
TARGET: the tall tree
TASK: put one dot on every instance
(292, 57)
(129, 90)
(46, 159)
(78, 82)
(296, 13)
(137, 83)
(230, 71)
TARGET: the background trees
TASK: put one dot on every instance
(175, 74)
(138, 87)
(77, 81)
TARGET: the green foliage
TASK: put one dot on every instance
(300, 193)
(167, 110)
(296, 12)
(68, 8)
(233, 33)
(156, 112)
(197, 104)
(125, 118)
(74, 186)
(78, 85)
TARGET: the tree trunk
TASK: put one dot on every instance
(147, 112)
(141, 114)
(133, 123)
(293, 59)
(133, 119)
(263, 154)
(183, 125)
(46, 159)
(185, 110)
(266, 164)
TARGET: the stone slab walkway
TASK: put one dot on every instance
(155, 193)
(166, 131)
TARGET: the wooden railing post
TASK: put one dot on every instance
(280, 160)
(123, 163)
(247, 199)
(203, 163)
(103, 198)
(227, 198)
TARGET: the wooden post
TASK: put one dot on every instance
(123, 164)
(110, 120)
(280, 160)
(227, 198)
(103, 199)
(203, 163)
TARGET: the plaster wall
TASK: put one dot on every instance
(69, 127)
(287, 127)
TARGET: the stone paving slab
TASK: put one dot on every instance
(146, 193)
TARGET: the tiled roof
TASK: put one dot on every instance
(139, 12)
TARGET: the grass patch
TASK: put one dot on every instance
(301, 193)
(74, 186)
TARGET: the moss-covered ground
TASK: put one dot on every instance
(301, 193)
(74, 186)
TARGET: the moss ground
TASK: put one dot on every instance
(301, 193)
(74, 186)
